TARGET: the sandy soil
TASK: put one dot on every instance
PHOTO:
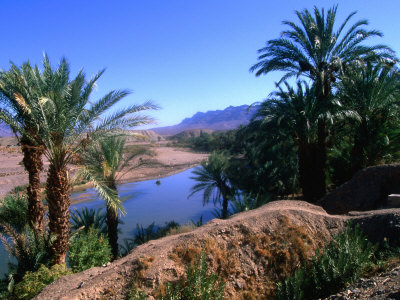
(167, 161)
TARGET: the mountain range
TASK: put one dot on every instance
(229, 118)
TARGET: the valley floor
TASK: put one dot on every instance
(166, 162)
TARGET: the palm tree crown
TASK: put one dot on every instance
(66, 113)
(313, 49)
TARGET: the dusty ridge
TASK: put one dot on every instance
(235, 239)
(246, 250)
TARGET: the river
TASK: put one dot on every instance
(146, 202)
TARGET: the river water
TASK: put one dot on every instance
(146, 202)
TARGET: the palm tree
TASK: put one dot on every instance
(294, 114)
(373, 91)
(104, 162)
(66, 113)
(213, 181)
(314, 50)
(19, 91)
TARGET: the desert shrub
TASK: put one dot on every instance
(344, 260)
(88, 249)
(198, 284)
(34, 282)
(137, 295)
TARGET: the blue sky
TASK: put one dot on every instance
(187, 56)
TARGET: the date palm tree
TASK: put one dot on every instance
(213, 181)
(373, 92)
(316, 50)
(66, 114)
(294, 115)
(18, 92)
(104, 163)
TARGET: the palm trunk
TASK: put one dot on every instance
(112, 225)
(58, 189)
(225, 192)
(320, 165)
(358, 159)
(33, 165)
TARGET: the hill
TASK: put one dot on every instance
(229, 118)
(250, 251)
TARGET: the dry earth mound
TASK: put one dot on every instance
(251, 251)
(367, 190)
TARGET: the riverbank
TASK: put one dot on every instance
(167, 161)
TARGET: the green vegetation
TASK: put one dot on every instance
(344, 260)
(88, 218)
(34, 282)
(213, 181)
(341, 115)
(102, 161)
(88, 249)
(198, 284)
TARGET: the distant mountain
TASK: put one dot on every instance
(5, 130)
(229, 118)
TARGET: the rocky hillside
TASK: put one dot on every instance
(229, 118)
(251, 251)
(190, 133)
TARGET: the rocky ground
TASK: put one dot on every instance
(384, 286)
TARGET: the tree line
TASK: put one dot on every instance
(334, 112)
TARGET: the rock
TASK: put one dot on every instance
(367, 190)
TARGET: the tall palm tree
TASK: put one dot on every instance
(294, 115)
(104, 162)
(66, 113)
(373, 92)
(315, 50)
(213, 181)
(19, 91)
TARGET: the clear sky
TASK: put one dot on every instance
(187, 55)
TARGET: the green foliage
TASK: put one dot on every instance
(34, 282)
(198, 284)
(137, 295)
(210, 142)
(89, 218)
(213, 181)
(243, 202)
(344, 260)
(14, 211)
(29, 248)
(88, 249)
(143, 235)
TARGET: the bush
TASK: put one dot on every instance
(88, 218)
(198, 285)
(344, 260)
(14, 211)
(88, 249)
(34, 282)
(29, 248)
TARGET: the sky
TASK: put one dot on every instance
(184, 55)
